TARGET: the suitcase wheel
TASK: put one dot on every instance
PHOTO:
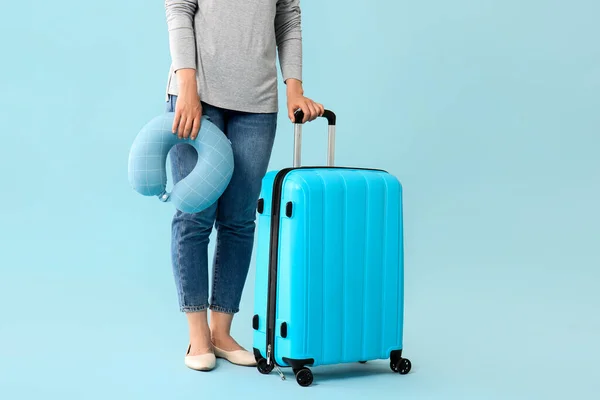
(263, 368)
(304, 376)
(402, 366)
(399, 364)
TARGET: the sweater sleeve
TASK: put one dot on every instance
(180, 23)
(288, 34)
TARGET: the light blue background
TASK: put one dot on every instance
(488, 112)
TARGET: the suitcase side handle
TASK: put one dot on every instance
(331, 120)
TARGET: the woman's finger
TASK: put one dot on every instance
(306, 110)
(321, 109)
(309, 114)
(195, 128)
(292, 112)
(176, 121)
(314, 113)
(181, 129)
(189, 122)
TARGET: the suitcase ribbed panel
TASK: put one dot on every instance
(340, 267)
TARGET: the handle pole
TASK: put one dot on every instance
(331, 119)
(331, 146)
(297, 145)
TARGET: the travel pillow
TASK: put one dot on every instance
(201, 187)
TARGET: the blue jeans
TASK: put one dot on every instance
(233, 215)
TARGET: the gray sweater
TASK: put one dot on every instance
(233, 45)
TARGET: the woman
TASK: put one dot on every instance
(224, 66)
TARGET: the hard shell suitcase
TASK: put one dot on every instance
(329, 275)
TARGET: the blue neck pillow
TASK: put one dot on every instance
(198, 190)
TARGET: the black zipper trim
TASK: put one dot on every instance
(274, 249)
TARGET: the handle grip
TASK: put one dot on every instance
(328, 114)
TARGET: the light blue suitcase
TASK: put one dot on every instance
(329, 274)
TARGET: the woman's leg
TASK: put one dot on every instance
(189, 246)
(252, 137)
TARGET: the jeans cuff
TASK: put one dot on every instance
(193, 308)
(224, 309)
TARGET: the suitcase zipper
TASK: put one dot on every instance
(274, 364)
(273, 250)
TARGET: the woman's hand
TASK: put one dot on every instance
(188, 109)
(296, 100)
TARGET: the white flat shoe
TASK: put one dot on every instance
(238, 357)
(202, 362)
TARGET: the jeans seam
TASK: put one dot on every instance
(224, 310)
(216, 270)
(182, 296)
(202, 307)
(179, 168)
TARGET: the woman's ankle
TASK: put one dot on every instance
(224, 341)
(199, 332)
(200, 345)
